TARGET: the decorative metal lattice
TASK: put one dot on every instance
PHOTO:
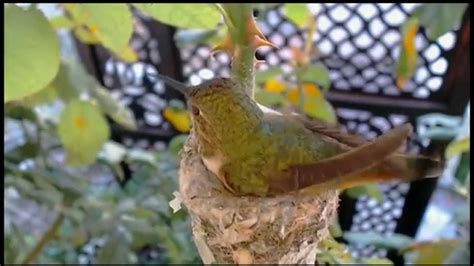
(359, 43)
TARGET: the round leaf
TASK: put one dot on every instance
(111, 23)
(204, 16)
(297, 13)
(31, 52)
(82, 130)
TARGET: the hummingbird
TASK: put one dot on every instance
(256, 151)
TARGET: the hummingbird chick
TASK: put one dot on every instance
(261, 153)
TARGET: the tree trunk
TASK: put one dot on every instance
(229, 229)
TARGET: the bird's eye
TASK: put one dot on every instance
(195, 110)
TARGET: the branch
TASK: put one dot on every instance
(243, 68)
(48, 235)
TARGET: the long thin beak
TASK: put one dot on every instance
(179, 86)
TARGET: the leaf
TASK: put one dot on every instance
(457, 147)
(25, 151)
(432, 252)
(31, 52)
(269, 98)
(274, 85)
(61, 87)
(113, 108)
(82, 130)
(113, 152)
(464, 167)
(128, 55)
(396, 241)
(406, 64)
(177, 143)
(111, 23)
(319, 107)
(20, 112)
(297, 13)
(85, 36)
(371, 190)
(204, 16)
(440, 18)
(316, 73)
(179, 118)
(116, 249)
(193, 36)
(262, 76)
(60, 22)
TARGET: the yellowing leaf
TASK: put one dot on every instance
(111, 23)
(59, 22)
(128, 55)
(457, 147)
(319, 107)
(433, 252)
(82, 130)
(204, 16)
(179, 118)
(31, 52)
(406, 64)
(308, 90)
(86, 36)
(274, 85)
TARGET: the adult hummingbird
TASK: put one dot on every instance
(256, 151)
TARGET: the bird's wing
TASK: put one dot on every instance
(358, 159)
(330, 130)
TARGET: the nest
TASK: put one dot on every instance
(229, 229)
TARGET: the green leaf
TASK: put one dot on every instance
(61, 21)
(112, 24)
(440, 18)
(177, 143)
(113, 108)
(464, 167)
(82, 130)
(371, 190)
(204, 16)
(316, 73)
(319, 107)
(31, 52)
(25, 151)
(193, 36)
(116, 249)
(396, 241)
(269, 98)
(297, 13)
(457, 147)
(20, 112)
(61, 87)
(262, 76)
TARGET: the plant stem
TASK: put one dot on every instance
(48, 235)
(243, 67)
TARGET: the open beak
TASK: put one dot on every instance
(179, 86)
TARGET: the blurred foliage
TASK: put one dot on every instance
(128, 219)
(436, 19)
